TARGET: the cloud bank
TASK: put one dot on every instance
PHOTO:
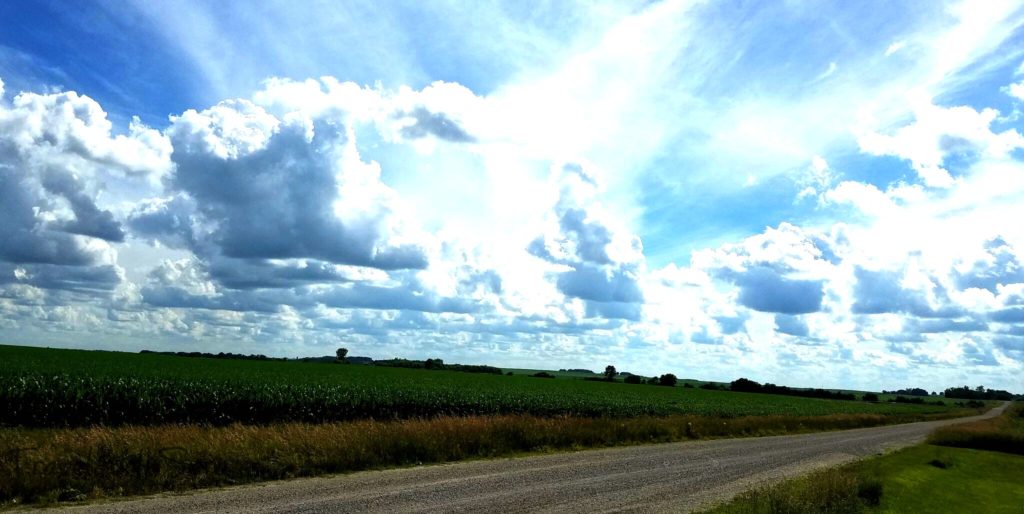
(574, 216)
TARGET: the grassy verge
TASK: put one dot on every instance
(48, 465)
(946, 476)
(1004, 434)
(920, 479)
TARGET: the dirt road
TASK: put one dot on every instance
(674, 477)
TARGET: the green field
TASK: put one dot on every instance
(56, 388)
(89, 424)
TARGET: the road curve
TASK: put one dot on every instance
(676, 477)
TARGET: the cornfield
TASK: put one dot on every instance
(69, 388)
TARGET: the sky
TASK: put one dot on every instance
(813, 193)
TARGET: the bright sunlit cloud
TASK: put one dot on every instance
(783, 192)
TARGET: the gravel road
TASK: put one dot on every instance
(674, 477)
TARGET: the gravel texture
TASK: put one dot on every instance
(675, 477)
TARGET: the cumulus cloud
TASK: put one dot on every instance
(273, 189)
(765, 289)
(187, 284)
(291, 233)
(437, 124)
(998, 266)
(886, 291)
(269, 287)
(791, 325)
(171, 221)
(604, 263)
(867, 198)
(978, 354)
(1009, 315)
(405, 296)
(88, 220)
(816, 178)
(939, 136)
(57, 152)
(780, 271)
(730, 324)
(1016, 90)
(257, 273)
(87, 279)
(940, 326)
(1011, 346)
(25, 235)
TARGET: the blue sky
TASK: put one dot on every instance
(717, 189)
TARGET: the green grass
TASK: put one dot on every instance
(972, 481)
(922, 479)
(55, 388)
(908, 481)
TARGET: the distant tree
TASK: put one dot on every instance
(668, 379)
(967, 393)
(609, 373)
(870, 397)
(341, 353)
(653, 381)
(634, 379)
(745, 385)
(434, 364)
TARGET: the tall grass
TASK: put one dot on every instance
(832, 491)
(45, 465)
(1004, 433)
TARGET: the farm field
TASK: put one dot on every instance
(65, 388)
(80, 425)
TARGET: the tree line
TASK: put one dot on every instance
(744, 385)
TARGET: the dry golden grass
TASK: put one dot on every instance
(46, 465)
(841, 490)
(1004, 433)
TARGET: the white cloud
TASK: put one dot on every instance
(1016, 90)
(896, 46)
(865, 197)
(603, 262)
(939, 133)
(427, 219)
(58, 161)
(285, 189)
